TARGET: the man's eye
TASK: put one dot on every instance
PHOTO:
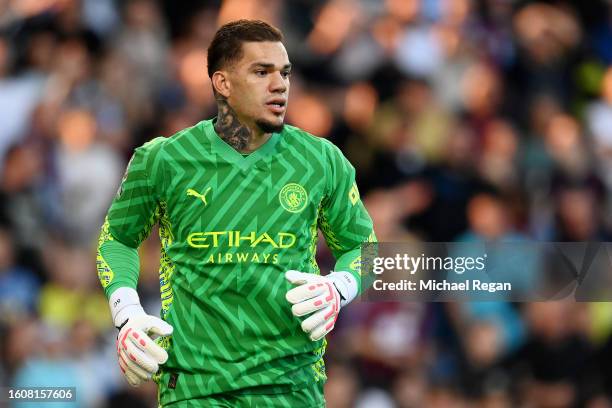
(261, 73)
(286, 74)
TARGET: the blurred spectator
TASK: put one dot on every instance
(548, 36)
(385, 339)
(341, 391)
(554, 357)
(142, 42)
(54, 367)
(599, 116)
(19, 287)
(88, 173)
(490, 331)
(29, 200)
(578, 215)
(452, 183)
(71, 294)
(498, 163)
(19, 95)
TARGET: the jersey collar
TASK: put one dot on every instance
(232, 155)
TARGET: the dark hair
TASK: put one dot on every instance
(226, 46)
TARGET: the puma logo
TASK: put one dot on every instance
(191, 192)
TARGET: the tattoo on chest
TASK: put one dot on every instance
(229, 127)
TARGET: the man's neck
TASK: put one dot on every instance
(236, 134)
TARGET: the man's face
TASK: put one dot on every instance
(260, 85)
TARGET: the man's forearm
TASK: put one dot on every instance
(118, 266)
(352, 261)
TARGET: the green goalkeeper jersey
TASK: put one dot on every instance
(230, 226)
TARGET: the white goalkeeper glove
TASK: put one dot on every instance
(139, 356)
(323, 296)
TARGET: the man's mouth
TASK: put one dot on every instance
(277, 105)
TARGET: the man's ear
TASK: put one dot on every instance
(221, 83)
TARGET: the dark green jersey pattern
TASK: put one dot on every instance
(230, 227)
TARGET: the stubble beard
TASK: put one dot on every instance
(268, 127)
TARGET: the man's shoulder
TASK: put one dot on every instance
(301, 137)
(160, 143)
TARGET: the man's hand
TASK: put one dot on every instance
(139, 356)
(323, 296)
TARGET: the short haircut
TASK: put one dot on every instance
(226, 46)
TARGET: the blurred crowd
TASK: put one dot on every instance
(465, 120)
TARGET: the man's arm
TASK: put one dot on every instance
(130, 218)
(344, 221)
(345, 224)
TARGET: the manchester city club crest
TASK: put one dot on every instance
(293, 197)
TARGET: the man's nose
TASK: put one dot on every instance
(278, 83)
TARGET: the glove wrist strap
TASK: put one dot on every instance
(346, 284)
(124, 303)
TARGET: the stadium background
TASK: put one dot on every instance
(465, 120)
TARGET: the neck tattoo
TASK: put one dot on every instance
(230, 129)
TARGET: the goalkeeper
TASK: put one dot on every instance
(239, 200)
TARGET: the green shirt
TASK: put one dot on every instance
(230, 226)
